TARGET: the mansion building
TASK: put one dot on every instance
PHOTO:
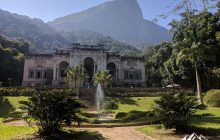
(50, 69)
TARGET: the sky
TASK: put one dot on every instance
(48, 10)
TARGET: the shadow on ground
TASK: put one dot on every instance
(7, 110)
(206, 120)
(71, 135)
(126, 100)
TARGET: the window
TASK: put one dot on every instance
(39, 74)
(63, 73)
(126, 73)
(132, 75)
(31, 74)
(38, 85)
(137, 75)
(45, 74)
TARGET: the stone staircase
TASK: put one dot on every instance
(88, 97)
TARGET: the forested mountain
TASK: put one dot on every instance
(11, 60)
(120, 19)
(109, 24)
(42, 38)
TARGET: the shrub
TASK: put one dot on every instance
(17, 91)
(94, 121)
(131, 116)
(51, 110)
(30, 91)
(120, 115)
(212, 98)
(142, 92)
(111, 105)
(176, 111)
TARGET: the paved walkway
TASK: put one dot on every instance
(113, 133)
(120, 133)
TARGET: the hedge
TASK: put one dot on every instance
(30, 91)
(141, 92)
(212, 98)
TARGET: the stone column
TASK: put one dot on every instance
(104, 65)
(54, 71)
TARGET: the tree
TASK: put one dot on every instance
(175, 111)
(155, 57)
(74, 74)
(218, 6)
(195, 41)
(103, 77)
(51, 110)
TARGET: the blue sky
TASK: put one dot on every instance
(48, 10)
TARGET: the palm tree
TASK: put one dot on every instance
(103, 77)
(74, 74)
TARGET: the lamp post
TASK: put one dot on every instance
(9, 82)
(87, 80)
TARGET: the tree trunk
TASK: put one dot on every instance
(198, 85)
(75, 84)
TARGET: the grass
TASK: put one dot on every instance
(9, 132)
(14, 101)
(208, 124)
(135, 103)
(7, 107)
(135, 109)
(210, 118)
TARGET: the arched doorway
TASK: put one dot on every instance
(111, 67)
(89, 70)
(62, 69)
(62, 72)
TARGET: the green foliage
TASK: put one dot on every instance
(218, 6)
(11, 60)
(5, 107)
(176, 111)
(94, 121)
(155, 57)
(131, 116)
(31, 91)
(216, 71)
(111, 105)
(195, 43)
(103, 77)
(51, 110)
(9, 107)
(143, 92)
(120, 115)
(74, 74)
(17, 91)
(212, 98)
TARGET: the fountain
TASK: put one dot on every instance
(99, 98)
(102, 116)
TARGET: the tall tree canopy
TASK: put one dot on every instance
(194, 40)
(12, 60)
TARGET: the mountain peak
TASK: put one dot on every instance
(129, 6)
(120, 19)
